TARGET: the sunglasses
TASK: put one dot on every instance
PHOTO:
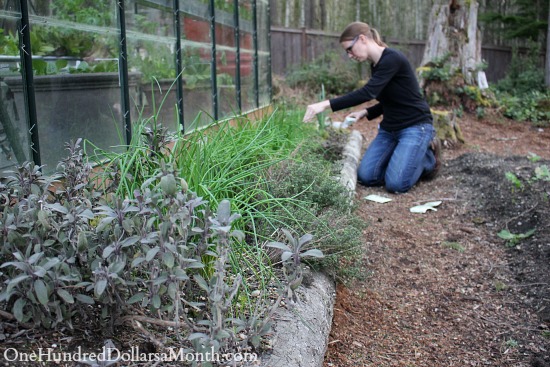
(348, 49)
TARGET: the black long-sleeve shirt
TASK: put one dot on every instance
(394, 84)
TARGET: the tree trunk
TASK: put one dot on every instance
(288, 7)
(323, 16)
(302, 13)
(41, 7)
(453, 36)
(453, 31)
(309, 17)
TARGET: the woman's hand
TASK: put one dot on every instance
(358, 115)
(314, 109)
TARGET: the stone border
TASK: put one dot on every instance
(301, 331)
(351, 158)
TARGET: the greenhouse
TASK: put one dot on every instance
(86, 69)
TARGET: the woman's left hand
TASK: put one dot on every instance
(358, 115)
(314, 109)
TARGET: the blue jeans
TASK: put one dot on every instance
(397, 159)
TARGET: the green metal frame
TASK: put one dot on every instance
(177, 6)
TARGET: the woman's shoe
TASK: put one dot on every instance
(435, 146)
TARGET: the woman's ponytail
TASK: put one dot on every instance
(376, 37)
(356, 28)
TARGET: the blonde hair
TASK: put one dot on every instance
(357, 28)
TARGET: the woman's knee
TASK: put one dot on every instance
(368, 178)
(399, 184)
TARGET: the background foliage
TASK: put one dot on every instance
(409, 19)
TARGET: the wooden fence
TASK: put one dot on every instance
(295, 46)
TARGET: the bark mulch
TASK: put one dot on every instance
(441, 288)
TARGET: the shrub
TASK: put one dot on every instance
(524, 75)
(337, 75)
(69, 247)
(522, 94)
(445, 87)
(532, 106)
(312, 178)
(72, 254)
(437, 70)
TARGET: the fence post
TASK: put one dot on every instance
(179, 64)
(304, 46)
(123, 72)
(269, 60)
(256, 58)
(28, 80)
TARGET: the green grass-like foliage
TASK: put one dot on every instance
(242, 162)
(227, 161)
(233, 162)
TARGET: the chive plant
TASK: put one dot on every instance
(233, 162)
(230, 160)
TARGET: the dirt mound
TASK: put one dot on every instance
(512, 194)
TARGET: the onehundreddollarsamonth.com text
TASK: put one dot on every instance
(114, 354)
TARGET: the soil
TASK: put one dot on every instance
(442, 288)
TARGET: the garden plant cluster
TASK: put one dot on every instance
(203, 233)
(520, 96)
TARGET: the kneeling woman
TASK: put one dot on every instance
(404, 149)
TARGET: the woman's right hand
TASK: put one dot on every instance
(314, 109)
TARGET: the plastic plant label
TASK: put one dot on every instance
(378, 198)
(425, 207)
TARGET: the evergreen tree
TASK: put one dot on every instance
(527, 20)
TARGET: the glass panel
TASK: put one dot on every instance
(264, 92)
(14, 139)
(151, 49)
(197, 88)
(225, 59)
(196, 46)
(77, 88)
(75, 47)
(263, 52)
(247, 55)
